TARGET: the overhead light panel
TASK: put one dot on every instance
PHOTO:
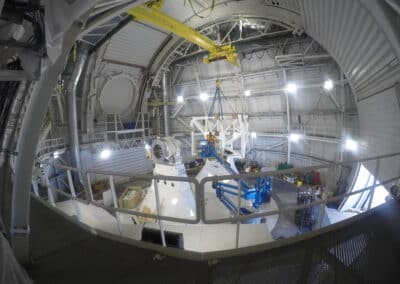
(295, 137)
(291, 88)
(247, 93)
(180, 99)
(203, 96)
(328, 85)
(351, 145)
(105, 154)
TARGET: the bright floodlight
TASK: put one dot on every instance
(295, 137)
(105, 154)
(351, 145)
(179, 99)
(247, 93)
(147, 146)
(253, 135)
(291, 88)
(328, 85)
(203, 96)
(56, 155)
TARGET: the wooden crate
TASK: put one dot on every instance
(131, 197)
(101, 186)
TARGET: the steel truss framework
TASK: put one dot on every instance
(225, 32)
(232, 130)
(290, 54)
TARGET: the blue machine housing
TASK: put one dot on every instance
(259, 193)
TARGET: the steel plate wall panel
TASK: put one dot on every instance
(134, 44)
(380, 128)
(131, 160)
(349, 32)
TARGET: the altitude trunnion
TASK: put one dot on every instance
(176, 198)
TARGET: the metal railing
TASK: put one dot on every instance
(50, 145)
(200, 215)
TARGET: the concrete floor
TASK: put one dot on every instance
(285, 195)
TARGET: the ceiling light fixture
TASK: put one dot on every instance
(253, 135)
(291, 88)
(247, 93)
(105, 154)
(180, 99)
(203, 96)
(351, 145)
(328, 85)
(295, 137)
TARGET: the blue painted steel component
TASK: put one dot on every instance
(260, 193)
(208, 151)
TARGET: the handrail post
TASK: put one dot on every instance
(199, 201)
(321, 212)
(158, 212)
(89, 188)
(71, 183)
(238, 214)
(50, 195)
(88, 194)
(35, 187)
(73, 194)
(376, 173)
(115, 201)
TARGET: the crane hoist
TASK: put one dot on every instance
(151, 12)
(217, 99)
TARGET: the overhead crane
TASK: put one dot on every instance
(150, 12)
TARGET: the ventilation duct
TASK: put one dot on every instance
(82, 56)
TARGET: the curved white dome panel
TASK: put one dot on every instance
(118, 95)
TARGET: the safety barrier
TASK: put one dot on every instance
(200, 214)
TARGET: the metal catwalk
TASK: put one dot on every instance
(367, 251)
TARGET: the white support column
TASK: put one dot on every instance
(289, 148)
(165, 107)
